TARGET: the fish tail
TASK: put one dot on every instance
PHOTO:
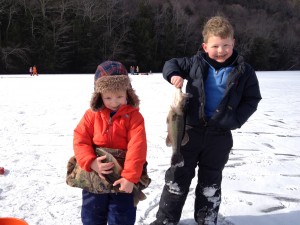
(177, 160)
(138, 195)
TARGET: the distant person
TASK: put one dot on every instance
(225, 93)
(132, 70)
(34, 71)
(113, 122)
(137, 70)
(30, 71)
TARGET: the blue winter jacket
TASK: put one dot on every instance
(240, 100)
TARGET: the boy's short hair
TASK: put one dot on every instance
(217, 26)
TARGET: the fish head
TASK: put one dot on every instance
(179, 101)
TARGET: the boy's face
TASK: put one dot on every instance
(219, 49)
(113, 100)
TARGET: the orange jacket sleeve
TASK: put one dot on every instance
(83, 141)
(136, 149)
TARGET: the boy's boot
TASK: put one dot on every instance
(157, 222)
(205, 217)
(201, 217)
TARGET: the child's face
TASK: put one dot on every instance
(113, 100)
(219, 49)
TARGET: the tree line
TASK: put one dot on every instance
(74, 36)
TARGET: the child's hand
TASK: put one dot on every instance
(125, 185)
(177, 81)
(101, 167)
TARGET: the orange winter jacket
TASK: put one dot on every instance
(124, 130)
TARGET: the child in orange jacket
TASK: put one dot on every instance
(34, 71)
(113, 121)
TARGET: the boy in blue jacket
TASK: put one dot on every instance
(225, 93)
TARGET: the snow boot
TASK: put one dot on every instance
(165, 222)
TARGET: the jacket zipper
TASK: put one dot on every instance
(231, 83)
(202, 104)
(109, 131)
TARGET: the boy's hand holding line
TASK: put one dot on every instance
(177, 81)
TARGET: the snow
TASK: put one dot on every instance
(261, 181)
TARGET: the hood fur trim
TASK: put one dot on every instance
(113, 83)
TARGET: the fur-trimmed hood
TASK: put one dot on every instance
(113, 83)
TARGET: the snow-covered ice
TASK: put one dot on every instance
(261, 181)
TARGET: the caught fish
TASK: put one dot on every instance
(116, 174)
(176, 126)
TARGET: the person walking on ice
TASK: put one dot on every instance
(34, 71)
(30, 71)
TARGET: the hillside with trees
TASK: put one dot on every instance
(74, 36)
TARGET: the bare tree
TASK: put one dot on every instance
(115, 28)
(43, 6)
(91, 10)
(10, 54)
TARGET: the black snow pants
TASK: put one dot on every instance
(208, 148)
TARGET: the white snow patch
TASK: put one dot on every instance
(38, 115)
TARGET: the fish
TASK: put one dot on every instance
(176, 126)
(116, 175)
